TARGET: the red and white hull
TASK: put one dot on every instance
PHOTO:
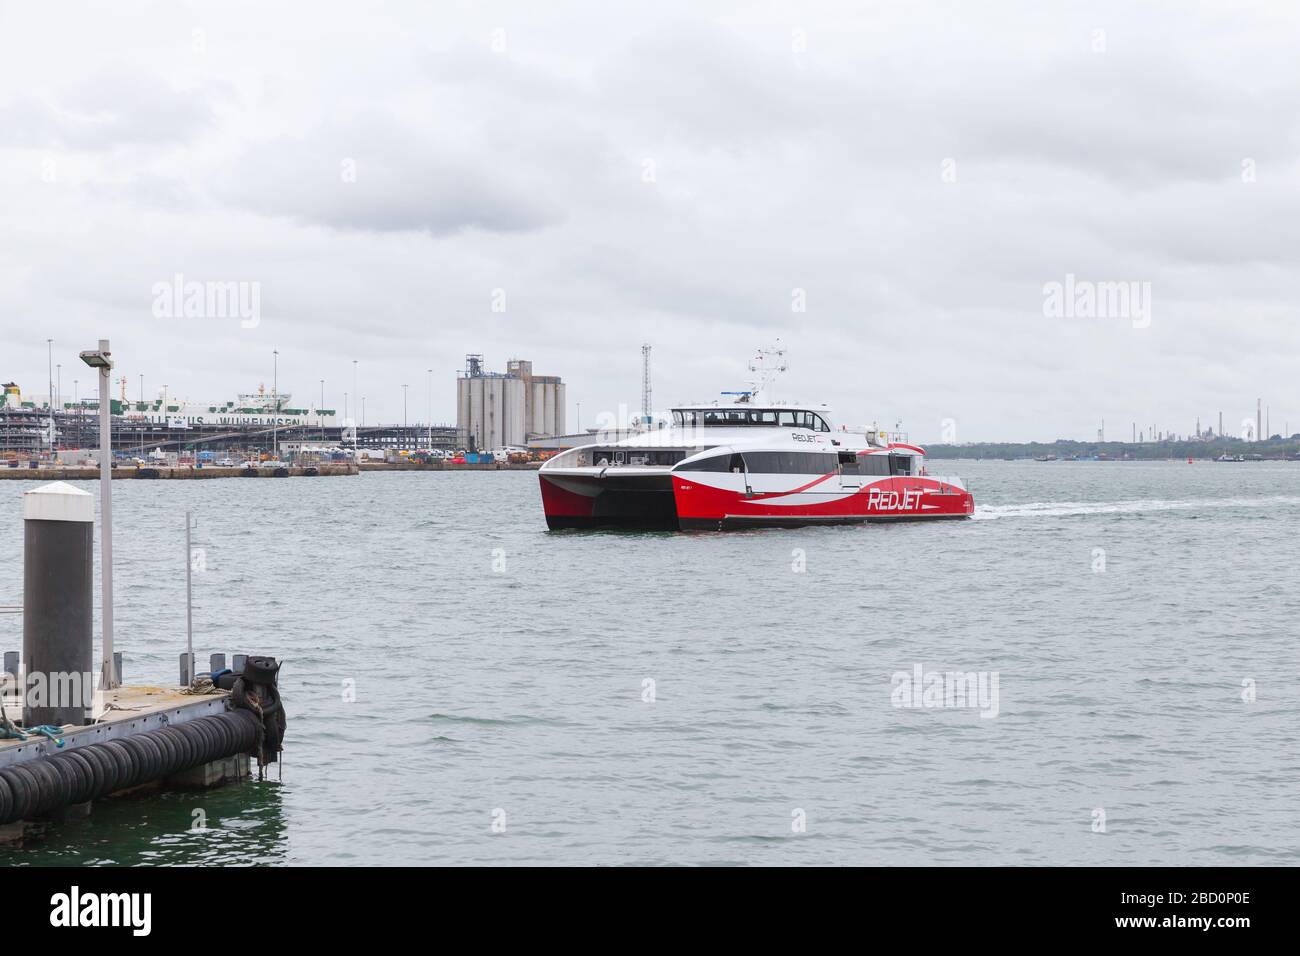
(742, 465)
(717, 502)
(707, 507)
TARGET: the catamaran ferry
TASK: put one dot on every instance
(747, 463)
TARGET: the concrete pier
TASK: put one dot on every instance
(125, 711)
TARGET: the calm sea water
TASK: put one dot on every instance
(500, 674)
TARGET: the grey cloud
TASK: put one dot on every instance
(114, 108)
(373, 173)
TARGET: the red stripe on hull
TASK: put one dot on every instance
(889, 498)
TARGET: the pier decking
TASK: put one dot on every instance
(126, 711)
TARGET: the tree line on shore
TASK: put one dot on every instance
(1276, 447)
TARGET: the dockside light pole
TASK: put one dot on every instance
(275, 400)
(49, 345)
(100, 359)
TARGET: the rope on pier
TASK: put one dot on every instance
(255, 692)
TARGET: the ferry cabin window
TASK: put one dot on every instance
(686, 419)
(900, 464)
(801, 419)
(712, 463)
(790, 463)
(874, 465)
(638, 456)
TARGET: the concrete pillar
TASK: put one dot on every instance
(58, 605)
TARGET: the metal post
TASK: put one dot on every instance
(107, 677)
(58, 604)
(189, 598)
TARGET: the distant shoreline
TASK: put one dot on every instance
(1277, 450)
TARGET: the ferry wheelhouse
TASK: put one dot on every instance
(744, 464)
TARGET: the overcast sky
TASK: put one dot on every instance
(688, 175)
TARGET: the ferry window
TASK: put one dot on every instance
(875, 465)
(712, 463)
(737, 417)
(900, 464)
(715, 417)
(790, 462)
(818, 424)
(786, 419)
(849, 462)
(763, 418)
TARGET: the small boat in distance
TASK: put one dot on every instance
(747, 463)
(1226, 457)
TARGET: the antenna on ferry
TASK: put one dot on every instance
(766, 365)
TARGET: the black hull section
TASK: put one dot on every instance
(612, 523)
(635, 503)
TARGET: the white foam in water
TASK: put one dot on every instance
(1064, 509)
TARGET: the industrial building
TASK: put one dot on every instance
(495, 409)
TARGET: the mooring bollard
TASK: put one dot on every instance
(11, 664)
(58, 603)
(217, 662)
(237, 662)
(117, 668)
(187, 669)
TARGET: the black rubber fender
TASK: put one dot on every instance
(154, 755)
(141, 755)
(128, 773)
(180, 744)
(49, 783)
(171, 753)
(22, 786)
(6, 798)
(89, 773)
(96, 771)
(107, 776)
(227, 733)
(205, 741)
(78, 776)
